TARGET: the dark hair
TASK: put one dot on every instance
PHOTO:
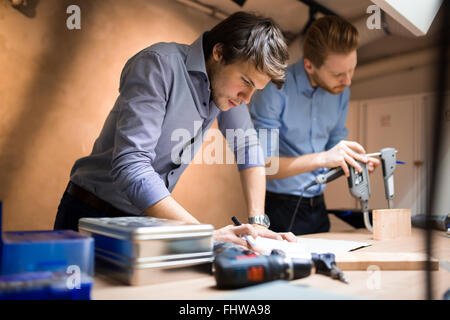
(249, 37)
(329, 34)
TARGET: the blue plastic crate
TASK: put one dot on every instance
(29, 251)
(55, 251)
(44, 286)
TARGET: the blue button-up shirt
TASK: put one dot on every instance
(309, 120)
(142, 149)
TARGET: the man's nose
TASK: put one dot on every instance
(347, 79)
(246, 95)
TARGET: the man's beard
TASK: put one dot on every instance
(216, 99)
(222, 101)
(320, 83)
(215, 96)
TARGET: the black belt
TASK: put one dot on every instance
(93, 201)
(312, 202)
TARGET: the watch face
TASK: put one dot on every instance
(262, 219)
(266, 220)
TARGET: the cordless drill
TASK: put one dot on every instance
(389, 161)
(358, 184)
(235, 267)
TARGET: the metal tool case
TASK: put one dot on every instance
(142, 250)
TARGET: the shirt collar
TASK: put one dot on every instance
(195, 60)
(302, 79)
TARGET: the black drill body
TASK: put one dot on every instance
(235, 267)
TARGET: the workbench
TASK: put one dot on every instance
(363, 284)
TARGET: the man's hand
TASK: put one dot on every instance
(234, 234)
(266, 233)
(372, 163)
(345, 152)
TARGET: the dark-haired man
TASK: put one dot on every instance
(309, 114)
(169, 86)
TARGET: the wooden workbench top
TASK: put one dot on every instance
(364, 284)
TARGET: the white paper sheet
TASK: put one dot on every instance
(305, 246)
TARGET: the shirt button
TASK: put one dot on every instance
(171, 173)
(204, 103)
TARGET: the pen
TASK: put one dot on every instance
(248, 238)
(235, 221)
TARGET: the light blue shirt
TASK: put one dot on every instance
(309, 120)
(164, 89)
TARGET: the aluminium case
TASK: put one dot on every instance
(143, 250)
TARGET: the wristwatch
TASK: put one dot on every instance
(261, 219)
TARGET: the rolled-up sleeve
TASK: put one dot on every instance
(237, 127)
(266, 107)
(142, 105)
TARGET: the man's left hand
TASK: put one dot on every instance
(266, 233)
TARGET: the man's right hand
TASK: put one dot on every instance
(235, 234)
(342, 154)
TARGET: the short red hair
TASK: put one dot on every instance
(329, 34)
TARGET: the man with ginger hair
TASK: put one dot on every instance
(309, 114)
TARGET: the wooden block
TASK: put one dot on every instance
(391, 223)
(384, 261)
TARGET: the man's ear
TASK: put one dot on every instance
(217, 52)
(308, 65)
